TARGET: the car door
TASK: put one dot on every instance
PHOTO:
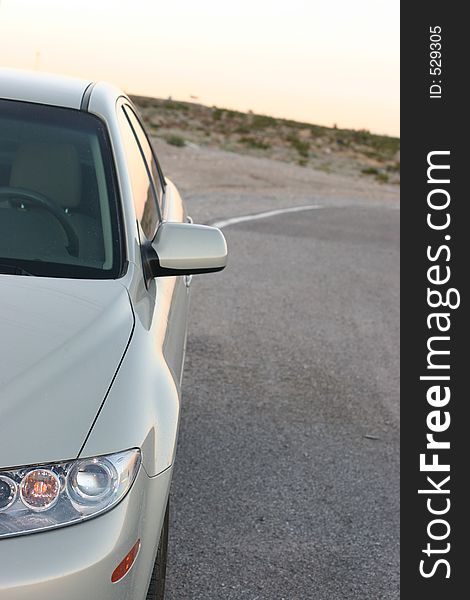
(157, 200)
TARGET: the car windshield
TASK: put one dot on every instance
(58, 203)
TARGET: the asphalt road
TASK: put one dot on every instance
(286, 483)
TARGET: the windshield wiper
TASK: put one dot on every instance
(13, 270)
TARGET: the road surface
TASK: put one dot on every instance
(286, 484)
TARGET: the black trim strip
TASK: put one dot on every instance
(85, 103)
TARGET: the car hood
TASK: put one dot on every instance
(61, 342)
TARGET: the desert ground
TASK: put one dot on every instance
(357, 153)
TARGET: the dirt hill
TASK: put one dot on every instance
(349, 152)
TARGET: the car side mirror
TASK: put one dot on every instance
(186, 249)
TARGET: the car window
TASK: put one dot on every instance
(148, 152)
(143, 190)
(59, 215)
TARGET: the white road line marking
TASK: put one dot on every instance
(263, 215)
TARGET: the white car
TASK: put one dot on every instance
(96, 259)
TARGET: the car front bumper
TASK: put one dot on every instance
(76, 562)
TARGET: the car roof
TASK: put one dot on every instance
(42, 88)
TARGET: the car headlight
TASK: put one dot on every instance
(37, 498)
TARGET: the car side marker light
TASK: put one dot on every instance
(126, 564)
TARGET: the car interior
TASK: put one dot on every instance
(53, 188)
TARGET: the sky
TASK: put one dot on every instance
(321, 61)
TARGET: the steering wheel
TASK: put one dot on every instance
(31, 197)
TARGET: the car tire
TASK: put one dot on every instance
(156, 589)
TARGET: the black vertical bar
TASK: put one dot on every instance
(433, 120)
